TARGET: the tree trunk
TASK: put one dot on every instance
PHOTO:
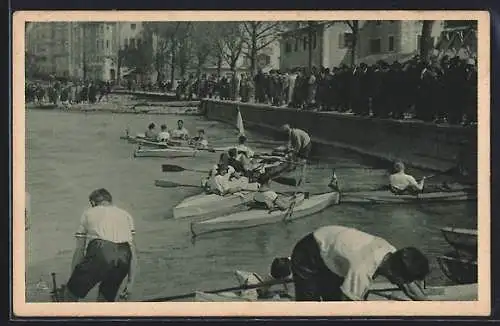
(354, 41)
(309, 46)
(172, 67)
(234, 94)
(425, 40)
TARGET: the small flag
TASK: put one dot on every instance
(239, 123)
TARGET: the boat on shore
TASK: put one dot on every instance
(258, 216)
(385, 196)
(464, 241)
(379, 291)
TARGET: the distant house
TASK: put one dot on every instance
(330, 46)
(392, 40)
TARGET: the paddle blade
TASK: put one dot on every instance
(166, 184)
(171, 168)
(287, 181)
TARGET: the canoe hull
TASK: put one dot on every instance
(208, 206)
(464, 241)
(457, 269)
(257, 217)
(384, 196)
(466, 292)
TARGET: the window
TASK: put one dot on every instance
(107, 44)
(288, 47)
(304, 40)
(126, 41)
(314, 40)
(139, 43)
(97, 44)
(345, 40)
(375, 46)
(133, 26)
(132, 42)
(391, 43)
(102, 28)
(296, 45)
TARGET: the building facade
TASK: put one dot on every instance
(75, 49)
(392, 40)
(387, 40)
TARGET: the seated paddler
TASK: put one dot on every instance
(267, 198)
(401, 183)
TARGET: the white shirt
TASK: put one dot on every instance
(353, 255)
(402, 181)
(106, 223)
(179, 133)
(244, 148)
(266, 197)
(221, 182)
(163, 136)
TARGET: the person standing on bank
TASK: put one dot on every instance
(105, 251)
(299, 144)
(336, 263)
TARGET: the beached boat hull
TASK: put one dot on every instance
(457, 269)
(170, 152)
(208, 206)
(256, 217)
(385, 196)
(464, 241)
(380, 291)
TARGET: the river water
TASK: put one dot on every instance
(71, 154)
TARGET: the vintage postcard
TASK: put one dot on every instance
(256, 163)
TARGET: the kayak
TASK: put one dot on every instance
(464, 292)
(462, 240)
(379, 291)
(256, 217)
(385, 196)
(458, 269)
(169, 152)
(207, 206)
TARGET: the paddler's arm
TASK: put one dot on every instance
(415, 184)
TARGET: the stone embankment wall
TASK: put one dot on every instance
(422, 145)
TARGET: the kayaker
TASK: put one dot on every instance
(163, 135)
(239, 166)
(299, 142)
(269, 199)
(105, 251)
(243, 149)
(199, 141)
(336, 263)
(180, 132)
(401, 183)
(151, 132)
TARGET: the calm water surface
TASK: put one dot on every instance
(71, 154)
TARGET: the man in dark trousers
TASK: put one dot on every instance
(105, 251)
(336, 263)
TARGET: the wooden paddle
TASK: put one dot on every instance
(171, 184)
(177, 168)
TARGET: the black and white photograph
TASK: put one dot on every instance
(295, 159)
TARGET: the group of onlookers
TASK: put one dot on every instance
(67, 92)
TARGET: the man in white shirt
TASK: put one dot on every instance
(180, 132)
(243, 149)
(336, 263)
(402, 183)
(105, 251)
(163, 135)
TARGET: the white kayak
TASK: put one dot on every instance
(169, 152)
(256, 217)
(207, 206)
(387, 292)
(385, 196)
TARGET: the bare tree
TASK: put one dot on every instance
(426, 39)
(354, 26)
(203, 35)
(230, 47)
(259, 35)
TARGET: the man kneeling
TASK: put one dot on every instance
(336, 263)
